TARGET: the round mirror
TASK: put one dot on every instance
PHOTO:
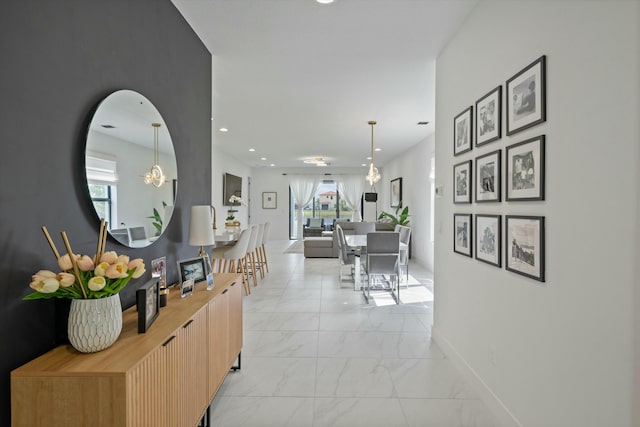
(131, 168)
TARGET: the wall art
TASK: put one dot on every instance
(489, 239)
(463, 132)
(526, 97)
(488, 117)
(488, 182)
(462, 234)
(524, 245)
(525, 170)
(462, 182)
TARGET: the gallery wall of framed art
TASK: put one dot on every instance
(515, 163)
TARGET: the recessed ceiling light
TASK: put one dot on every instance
(364, 164)
(252, 149)
(378, 149)
(369, 158)
(272, 164)
(324, 1)
(263, 158)
(223, 130)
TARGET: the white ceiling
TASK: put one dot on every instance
(296, 79)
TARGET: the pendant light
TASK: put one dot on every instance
(155, 176)
(373, 176)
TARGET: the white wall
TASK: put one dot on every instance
(414, 167)
(564, 351)
(222, 163)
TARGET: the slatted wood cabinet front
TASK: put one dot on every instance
(166, 377)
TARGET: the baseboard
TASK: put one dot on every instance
(500, 412)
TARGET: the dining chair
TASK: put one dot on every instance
(250, 254)
(236, 256)
(263, 248)
(405, 238)
(346, 257)
(383, 260)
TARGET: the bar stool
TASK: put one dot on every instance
(250, 254)
(236, 257)
(265, 237)
(258, 255)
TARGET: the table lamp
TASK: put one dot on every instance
(201, 228)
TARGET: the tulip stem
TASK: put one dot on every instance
(99, 248)
(53, 245)
(76, 271)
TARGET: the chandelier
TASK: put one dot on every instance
(155, 176)
(373, 176)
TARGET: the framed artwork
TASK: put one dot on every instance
(526, 97)
(396, 192)
(159, 270)
(524, 245)
(525, 170)
(462, 132)
(462, 182)
(186, 288)
(269, 200)
(462, 234)
(488, 181)
(192, 269)
(489, 239)
(148, 304)
(488, 117)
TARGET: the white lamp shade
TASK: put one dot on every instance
(201, 226)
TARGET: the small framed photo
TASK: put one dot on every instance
(488, 181)
(148, 304)
(193, 269)
(462, 132)
(488, 117)
(525, 170)
(462, 234)
(524, 245)
(186, 288)
(210, 281)
(526, 97)
(396, 192)
(489, 239)
(269, 200)
(159, 270)
(462, 182)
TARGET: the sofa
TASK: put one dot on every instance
(327, 247)
(313, 228)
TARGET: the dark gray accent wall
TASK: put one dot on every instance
(58, 60)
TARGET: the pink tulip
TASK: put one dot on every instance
(45, 285)
(85, 263)
(123, 259)
(116, 271)
(45, 274)
(65, 279)
(64, 262)
(109, 257)
(138, 264)
(101, 269)
(97, 283)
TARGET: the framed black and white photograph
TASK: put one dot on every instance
(396, 192)
(525, 170)
(462, 234)
(462, 182)
(526, 97)
(524, 245)
(269, 200)
(193, 269)
(488, 117)
(488, 182)
(148, 304)
(489, 239)
(463, 131)
(186, 288)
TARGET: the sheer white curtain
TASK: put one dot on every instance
(350, 188)
(303, 188)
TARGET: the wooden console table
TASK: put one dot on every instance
(166, 377)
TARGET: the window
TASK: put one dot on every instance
(326, 203)
(101, 196)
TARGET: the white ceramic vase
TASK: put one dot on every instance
(94, 324)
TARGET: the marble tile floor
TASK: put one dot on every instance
(315, 354)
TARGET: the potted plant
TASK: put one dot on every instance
(157, 219)
(401, 216)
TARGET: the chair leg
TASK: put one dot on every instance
(264, 255)
(259, 261)
(253, 268)
(245, 277)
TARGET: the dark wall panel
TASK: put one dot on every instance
(59, 59)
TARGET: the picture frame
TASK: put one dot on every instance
(462, 132)
(488, 178)
(159, 270)
(525, 170)
(489, 117)
(488, 239)
(186, 288)
(193, 269)
(524, 246)
(462, 234)
(269, 200)
(526, 97)
(462, 182)
(148, 304)
(396, 192)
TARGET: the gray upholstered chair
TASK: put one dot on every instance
(383, 264)
(313, 228)
(346, 256)
(405, 238)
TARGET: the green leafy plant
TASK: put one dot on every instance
(157, 218)
(401, 216)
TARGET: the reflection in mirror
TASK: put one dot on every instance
(131, 168)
